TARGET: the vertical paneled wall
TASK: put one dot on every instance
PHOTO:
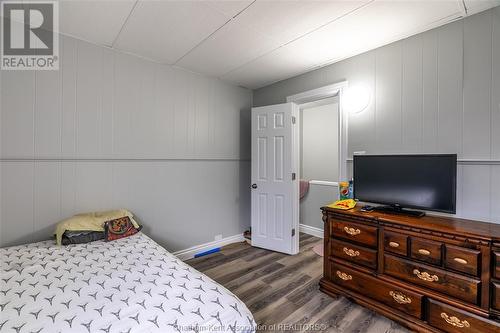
(109, 130)
(436, 92)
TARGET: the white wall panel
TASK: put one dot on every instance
(138, 187)
(460, 191)
(110, 130)
(388, 99)
(93, 186)
(141, 117)
(1, 203)
(317, 196)
(88, 100)
(437, 92)
(69, 60)
(495, 193)
(46, 198)
(319, 133)
(143, 187)
(17, 203)
(47, 119)
(430, 92)
(68, 188)
(1, 155)
(17, 98)
(202, 109)
(476, 191)
(450, 63)
(495, 85)
(477, 86)
(126, 101)
(182, 109)
(412, 94)
(362, 131)
(107, 102)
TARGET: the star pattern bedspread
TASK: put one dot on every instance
(128, 285)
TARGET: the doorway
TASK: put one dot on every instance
(276, 164)
(319, 160)
(322, 150)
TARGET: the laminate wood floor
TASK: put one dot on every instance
(282, 291)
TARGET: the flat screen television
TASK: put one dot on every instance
(407, 181)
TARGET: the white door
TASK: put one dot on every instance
(274, 185)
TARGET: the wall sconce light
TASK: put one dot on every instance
(356, 98)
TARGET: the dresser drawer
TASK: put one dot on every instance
(426, 250)
(495, 300)
(354, 253)
(496, 263)
(463, 260)
(395, 243)
(452, 320)
(451, 284)
(397, 298)
(356, 232)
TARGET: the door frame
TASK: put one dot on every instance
(332, 90)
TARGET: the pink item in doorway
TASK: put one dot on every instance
(318, 249)
(303, 188)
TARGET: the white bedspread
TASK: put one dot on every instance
(128, 285)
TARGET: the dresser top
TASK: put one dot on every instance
(435, 223)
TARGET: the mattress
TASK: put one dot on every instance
(128, 285)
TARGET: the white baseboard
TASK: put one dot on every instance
(307, 229)
(190, 252)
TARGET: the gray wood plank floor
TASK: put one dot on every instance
(282, 291)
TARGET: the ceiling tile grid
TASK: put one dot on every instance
(254, 43)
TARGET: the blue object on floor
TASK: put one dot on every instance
(217, 249)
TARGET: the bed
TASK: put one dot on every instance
(128, 285)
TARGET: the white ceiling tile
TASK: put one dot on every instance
(166, 30)
(262, 27)
(476, 6)
(231, 8)
(278, 65)
(95, 21)
(232, 46)
(287, 20)
(373, 26)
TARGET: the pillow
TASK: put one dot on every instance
(81, 237)
(119, 228)
(90, 222)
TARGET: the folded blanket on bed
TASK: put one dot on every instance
(91, 222)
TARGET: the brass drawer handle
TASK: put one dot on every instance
(461, 261)
(351, 231)
(454, 321)
(351, 252)
(393, 244)
(344, 276)
(425, 276)
(400, 297)
(424, 252)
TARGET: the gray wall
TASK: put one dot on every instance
(318, 196)
(438, 91)
(319, 126)
(111, 130)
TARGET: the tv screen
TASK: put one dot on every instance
(414, 181)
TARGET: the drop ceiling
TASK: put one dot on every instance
(255, 43)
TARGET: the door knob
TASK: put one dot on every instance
(254, 186)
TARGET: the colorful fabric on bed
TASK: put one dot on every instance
(128, 285)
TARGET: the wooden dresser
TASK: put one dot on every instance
(431, 274)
